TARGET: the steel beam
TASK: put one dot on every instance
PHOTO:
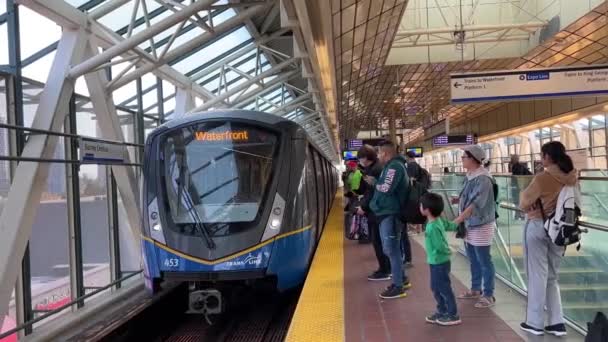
(138, 38)
(249, 83)
(268, 87)
(472, 28)
(67, 16)
(192, 44)
(183, 103)
(28, 184)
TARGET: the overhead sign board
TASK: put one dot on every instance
(527, 84)
(355, 144)
(452, 140)
(96, 152)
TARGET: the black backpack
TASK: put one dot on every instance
(495, 189)
(424, 178)
(410, 212)
(410, 207)
(597, 331)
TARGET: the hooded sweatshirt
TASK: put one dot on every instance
(391, 188)
(546, 186)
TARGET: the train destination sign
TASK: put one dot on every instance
(528, 84)
(220, 136)
(97, 152)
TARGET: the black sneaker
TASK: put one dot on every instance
(433, 318)
(448, 320)
(393, 292)
(379, 276)
(531, 330)
(407, 285)
(558, 330)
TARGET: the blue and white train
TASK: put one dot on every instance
(232, 197)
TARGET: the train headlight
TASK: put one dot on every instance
(275, 218)
(156, 228)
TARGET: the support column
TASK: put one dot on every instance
(28, 184)
(392, 129)
(183, 102)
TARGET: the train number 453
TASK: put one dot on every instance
(171, 262)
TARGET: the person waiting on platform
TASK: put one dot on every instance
(478, 212)
(389, 194)
(368, 158)
(542, 256)
(438, 256)
(517, 169)
(353, 179)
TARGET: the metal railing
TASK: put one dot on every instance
(29, 324)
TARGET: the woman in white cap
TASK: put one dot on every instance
(478, 212)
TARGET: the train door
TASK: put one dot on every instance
(320, 186)
(313, 194)
(327, 185)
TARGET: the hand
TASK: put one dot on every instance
(360, 211)
(459, 219)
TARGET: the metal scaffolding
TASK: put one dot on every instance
(171, 58)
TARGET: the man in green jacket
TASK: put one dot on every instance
(390, 192)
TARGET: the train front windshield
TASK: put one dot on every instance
(217, 174)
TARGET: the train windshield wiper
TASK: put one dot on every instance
(181, 191)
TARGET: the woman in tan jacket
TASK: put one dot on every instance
(542, 256)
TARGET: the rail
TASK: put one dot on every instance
(30, 323)
(582, 223)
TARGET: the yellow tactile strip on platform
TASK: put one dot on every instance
(319, 315)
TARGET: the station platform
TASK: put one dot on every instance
(338, 303)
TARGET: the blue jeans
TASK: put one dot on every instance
(482, 268)
(390, 233)
(442, 289)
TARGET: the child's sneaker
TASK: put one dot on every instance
(407, 285)
(448, 320)
(433, 318)
(393, 292)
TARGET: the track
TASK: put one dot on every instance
(261, 318)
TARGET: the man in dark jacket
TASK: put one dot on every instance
(390, 192)
(368, 158)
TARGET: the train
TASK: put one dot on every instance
(232, 197)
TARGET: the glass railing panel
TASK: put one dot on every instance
(594, 197)
(594, 173)
(584, 278)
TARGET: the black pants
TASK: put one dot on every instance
(406, 248)
(384, 264)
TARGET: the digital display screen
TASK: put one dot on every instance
(355, 144)
(350, 155)
(448, 140)
(221, 136)
(416, 150)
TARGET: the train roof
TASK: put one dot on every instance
(228, 114)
